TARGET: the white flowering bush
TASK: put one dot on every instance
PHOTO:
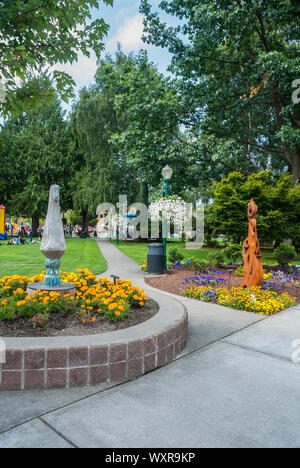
(171, 210)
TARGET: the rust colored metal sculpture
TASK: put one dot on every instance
(253, 269)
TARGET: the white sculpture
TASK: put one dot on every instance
(53, 244)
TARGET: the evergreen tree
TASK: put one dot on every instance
(36, 149)
(278, 204)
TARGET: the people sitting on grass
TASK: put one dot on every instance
(17, 241)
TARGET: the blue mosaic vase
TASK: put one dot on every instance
(52, 278)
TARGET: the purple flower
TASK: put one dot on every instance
(204, 280)
(271, 286)
(286, 276)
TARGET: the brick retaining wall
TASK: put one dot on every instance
(78, 366)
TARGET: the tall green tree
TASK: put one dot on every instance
(103, 173)
(126, 127)
(35, 34)
(146, 101)
(236, 63)
(36, 150)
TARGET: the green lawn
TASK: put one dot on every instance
(28, 260)
(139, 251)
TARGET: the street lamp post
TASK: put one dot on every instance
(118, 225)
(167, 173)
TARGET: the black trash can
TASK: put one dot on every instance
(156, 259)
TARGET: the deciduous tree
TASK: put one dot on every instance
(35, 34)
(236, 62)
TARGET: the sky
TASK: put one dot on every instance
(126, 27)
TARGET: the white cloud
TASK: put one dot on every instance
(129, 35)
(82, 71)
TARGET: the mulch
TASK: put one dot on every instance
(71, 325)
(172, 282)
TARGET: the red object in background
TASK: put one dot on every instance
(2, 219)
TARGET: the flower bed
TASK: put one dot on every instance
(206, 278)
(110, 357)
(252, 300)
(93, 298)
(281, 288)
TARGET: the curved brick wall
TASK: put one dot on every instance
(42, 366)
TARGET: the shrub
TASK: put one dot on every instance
(175, 256)
(216, 258)
(233, 253)
(284, 254)
(212, 242)
(240, 271)
(198, 264)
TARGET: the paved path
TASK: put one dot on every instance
(234, 386)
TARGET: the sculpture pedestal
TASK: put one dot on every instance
(63, 289)
(52, 278)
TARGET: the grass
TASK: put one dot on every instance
(139, 251)
(27, 260)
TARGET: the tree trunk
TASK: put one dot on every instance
(295, 163)
(144, 193)
(35, 224)
(85, 220)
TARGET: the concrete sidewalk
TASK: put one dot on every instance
(234, 386)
